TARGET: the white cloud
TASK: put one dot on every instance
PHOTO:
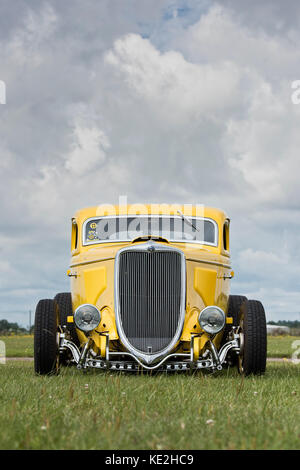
(26, 43)
(174, 88)
(7, 158)
(263, 146)
(87, 150)
(219, 35)
(263, 264)
(5, 267)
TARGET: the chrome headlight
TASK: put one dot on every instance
(87, 317)
(212, 319)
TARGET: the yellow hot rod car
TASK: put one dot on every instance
(150, 290)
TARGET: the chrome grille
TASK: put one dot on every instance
(150, 297)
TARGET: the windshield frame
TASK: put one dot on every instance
(98, 242)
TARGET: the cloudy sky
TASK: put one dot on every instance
(159, 100)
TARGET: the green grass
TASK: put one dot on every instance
(104, 410)
(22, 346)
(18, 346)
(281, 346)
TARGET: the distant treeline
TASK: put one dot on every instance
(289, 323)
(8, 328)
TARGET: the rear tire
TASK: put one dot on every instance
(45, 337)
(65, 308)
(234, 306)
(253, 339)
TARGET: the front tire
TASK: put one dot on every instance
(253, 339)
(45, 337)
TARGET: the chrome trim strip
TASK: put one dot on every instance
(150, 358)
(97, 242)
(82, 263)
(214, 263)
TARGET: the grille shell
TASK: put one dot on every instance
(150, 298)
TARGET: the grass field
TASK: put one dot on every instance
(18, 346)
(22, 346)
(103, 410)
(281, 346)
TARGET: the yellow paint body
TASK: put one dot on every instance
(208, 273)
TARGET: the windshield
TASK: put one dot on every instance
(127, 228)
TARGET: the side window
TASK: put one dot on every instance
(226, 235)
(74, 237)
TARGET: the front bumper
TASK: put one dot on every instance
(211, 359)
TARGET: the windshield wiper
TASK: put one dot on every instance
(188, 221)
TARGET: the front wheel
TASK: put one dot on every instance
(46, 353)
(253, 338)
